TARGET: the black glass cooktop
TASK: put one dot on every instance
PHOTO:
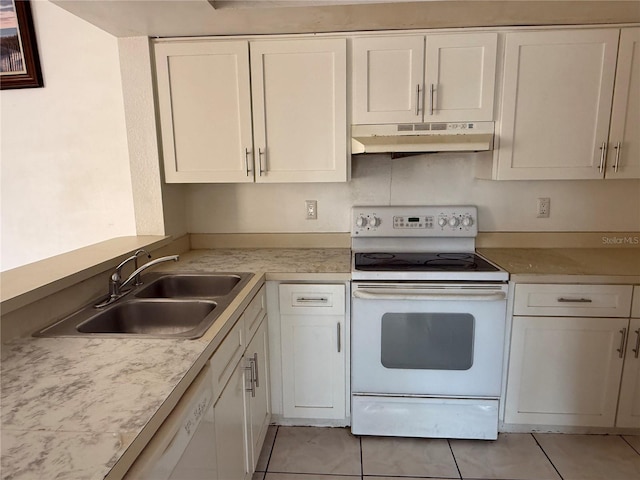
(422, 262)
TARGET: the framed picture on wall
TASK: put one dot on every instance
(19, 61)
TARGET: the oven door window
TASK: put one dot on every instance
(427, 341)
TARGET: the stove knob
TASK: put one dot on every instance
(374, 221)
(361, 221)
(453, 222)
(467, 221)
(442, 221)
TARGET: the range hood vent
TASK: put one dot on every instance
(422, 137)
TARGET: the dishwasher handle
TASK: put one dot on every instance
(408, 294)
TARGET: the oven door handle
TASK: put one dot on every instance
(416, 295)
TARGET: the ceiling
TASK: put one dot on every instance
(168, 18)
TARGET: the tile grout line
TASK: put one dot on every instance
(548, 458)
(454, 458)
(628, 443)
(361, 462)
(266, 468)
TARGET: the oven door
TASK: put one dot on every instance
(427, 339)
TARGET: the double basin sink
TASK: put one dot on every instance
(180, 305)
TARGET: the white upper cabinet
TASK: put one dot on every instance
(556, 104)
(399, 80)
(387, 79)
(205, 111)
(460, 77)
(624, 138)
(296, 131)
(299, 92)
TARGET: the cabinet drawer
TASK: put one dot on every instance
(573, 300)
(254, 313)
(635, 307)
(312, 299)
(226, 357)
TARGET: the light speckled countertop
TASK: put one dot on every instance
(572, 265)
(277, 263)
(74, 408)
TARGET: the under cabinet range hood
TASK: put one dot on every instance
(422, 137)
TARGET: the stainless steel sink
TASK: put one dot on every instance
(190, 286)
(149, 317)
(164, 306)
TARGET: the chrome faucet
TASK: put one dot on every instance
(114, 282)
(116, 285)
(138, 271)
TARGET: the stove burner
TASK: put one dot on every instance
(379, 256)
(422, 261)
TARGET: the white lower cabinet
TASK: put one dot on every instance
(224, 415)
(564, 371)
(314, 346)
(229, 415)
(257, 392)
(243, 411)
(578, 369)
(629, 404)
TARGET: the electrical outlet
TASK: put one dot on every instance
(312, 209)
(544, 206)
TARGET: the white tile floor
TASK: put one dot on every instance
(307, 453)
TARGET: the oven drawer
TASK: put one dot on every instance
(573, 300)
(312, 299)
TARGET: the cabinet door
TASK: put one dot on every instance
(556, 104)
(300, 110)
(205, 111)
(229, 413)
(629, 404)
(259, 398)
(387, 79)
(313, 351)
(459, 77)
(624, 140)
(564, 371)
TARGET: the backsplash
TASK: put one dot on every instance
(443, 178)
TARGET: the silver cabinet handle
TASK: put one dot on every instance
(620, 349)
(574, 300)
(251, 369)
(255, 365)
(312, 300)
(432, 87)
(616, 164)
(636, 350)
(339, 338)
(417, 99)
(247, 152)
(262, 153)
(603, 156)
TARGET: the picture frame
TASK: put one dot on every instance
(19, 60)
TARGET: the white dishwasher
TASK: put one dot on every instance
(183, 448)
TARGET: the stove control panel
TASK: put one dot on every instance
(414, 221)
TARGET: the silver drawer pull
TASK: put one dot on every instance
(339, 339)
(574, 300)
(312, 300)
(636, 350)
(620, 349)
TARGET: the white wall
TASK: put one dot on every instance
(438, 179)
(64, 160)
